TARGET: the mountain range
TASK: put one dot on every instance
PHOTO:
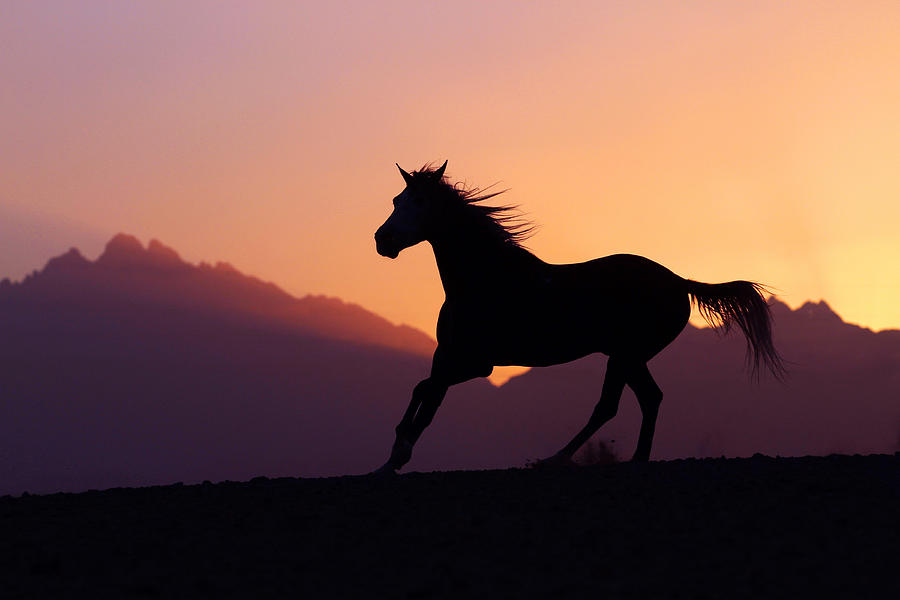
(139, 368)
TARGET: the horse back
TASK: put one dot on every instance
(539, 314)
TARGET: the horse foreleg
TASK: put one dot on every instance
(426, 398)
(607, 406)
(649, 398)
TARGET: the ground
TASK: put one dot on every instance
(823, 527)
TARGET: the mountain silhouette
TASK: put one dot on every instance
(139, 368)
(156, 275)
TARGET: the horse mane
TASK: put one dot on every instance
(504, 222)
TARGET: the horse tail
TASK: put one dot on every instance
(723, 305)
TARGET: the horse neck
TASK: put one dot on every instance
(465, 263)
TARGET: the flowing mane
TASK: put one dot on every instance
(504, 223)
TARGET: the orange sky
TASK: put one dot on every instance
(724, 140)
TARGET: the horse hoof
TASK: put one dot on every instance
(385, 470)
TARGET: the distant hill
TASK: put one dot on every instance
(156, 275)
(139, 368)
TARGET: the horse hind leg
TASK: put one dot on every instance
(649, 398)
(606, 408)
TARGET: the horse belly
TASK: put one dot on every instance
(543, 343)
(639, 325)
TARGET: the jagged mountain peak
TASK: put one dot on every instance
(160, 251)
(818, 311)
(125, 250)
(121, 245)
(73, 259)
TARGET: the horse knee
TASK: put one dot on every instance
(422, 388)
(428, 392)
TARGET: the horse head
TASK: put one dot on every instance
(414, 214)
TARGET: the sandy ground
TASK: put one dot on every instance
(740, 528)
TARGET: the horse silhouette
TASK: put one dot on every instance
(505, 306)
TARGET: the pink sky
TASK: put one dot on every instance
(724, 140)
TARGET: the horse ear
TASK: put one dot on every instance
(440, 172)
(406, 176)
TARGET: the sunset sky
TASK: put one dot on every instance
(726, 140)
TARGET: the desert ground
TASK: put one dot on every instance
(760, 527)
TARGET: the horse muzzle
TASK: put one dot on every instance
(386, 244)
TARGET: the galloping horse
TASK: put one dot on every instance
(505, 306)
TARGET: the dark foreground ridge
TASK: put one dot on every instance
(825, 527)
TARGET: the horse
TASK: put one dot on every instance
(505, 306)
